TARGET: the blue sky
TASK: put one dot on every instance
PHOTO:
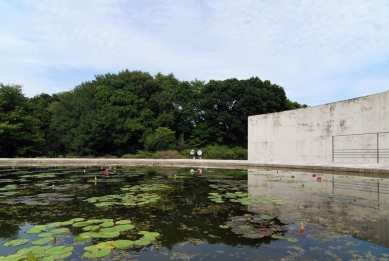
(320, 51)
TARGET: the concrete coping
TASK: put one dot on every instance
(308, 166)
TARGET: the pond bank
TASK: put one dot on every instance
(339, 167)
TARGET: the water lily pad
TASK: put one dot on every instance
(59, 250)
(48, 258)
(103, 234)
(55, 224)
(121, 228)
(107, 224)
(142, 242)
(94, 221)
(123, 222)
(41, 241)
(14, 257)
(77, 220)
(292, 239)
(107, 244)
(81, 224)
(48, 234)
(82, 239)
(122, 243)
(252, 235)
(25, 251)
(66, 223)
(90, 228)
(17, 242)
(59, 230)
(41, 250)
(36, 229)
(97, 253)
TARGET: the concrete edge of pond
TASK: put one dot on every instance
(342, 167)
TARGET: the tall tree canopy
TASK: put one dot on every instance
(20, 133)
(116, 114)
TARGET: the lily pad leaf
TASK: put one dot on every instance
(59, 250)
(142, 242)
(25, 251)
(97, 253)
(82, 238)
(81, 224)
(49, 234)
(59, 230)
(41, 241)
(14, 257)
(17, 242)
(41, 250)
(122, 243)
(36, 229)
(123, 222)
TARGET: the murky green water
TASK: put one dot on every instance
(173, 214)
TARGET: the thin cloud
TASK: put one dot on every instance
(318, 51)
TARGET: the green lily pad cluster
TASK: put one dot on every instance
(105, 248)
(124, 199)
(68, 186)
(145, 187)
(40, 199)
(9, 187)
(8, 190)
(243, 198)
(229, 185)
(39, 176)
(310, 230)
(254, 226)
(105, 180)
(50, 234)
(46, 253)
(258, 226)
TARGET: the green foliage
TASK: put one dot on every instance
(294, 105)
(124, 113)
(226, 105)
(162, 139)
(20, 135)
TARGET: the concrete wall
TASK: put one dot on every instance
(305, 135)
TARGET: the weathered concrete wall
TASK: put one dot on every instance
(305, 135)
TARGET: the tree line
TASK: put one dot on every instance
(118, 114)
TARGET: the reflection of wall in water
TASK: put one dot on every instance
(343, 206)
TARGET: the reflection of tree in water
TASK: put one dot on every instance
(183, 214)
(8, 228)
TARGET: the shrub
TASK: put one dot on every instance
(162, 139)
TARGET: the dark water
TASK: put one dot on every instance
(344, 217)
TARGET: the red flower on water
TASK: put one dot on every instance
(313, 175)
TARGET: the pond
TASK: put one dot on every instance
(167, 213)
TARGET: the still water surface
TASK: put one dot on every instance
(220, 214)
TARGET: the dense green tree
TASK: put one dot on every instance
(67, 114)
(162, 139)
(123, 113)
(225, 106)
(41, 110)
(294, 105)
(20, 135)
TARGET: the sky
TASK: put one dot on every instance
(319, 51)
